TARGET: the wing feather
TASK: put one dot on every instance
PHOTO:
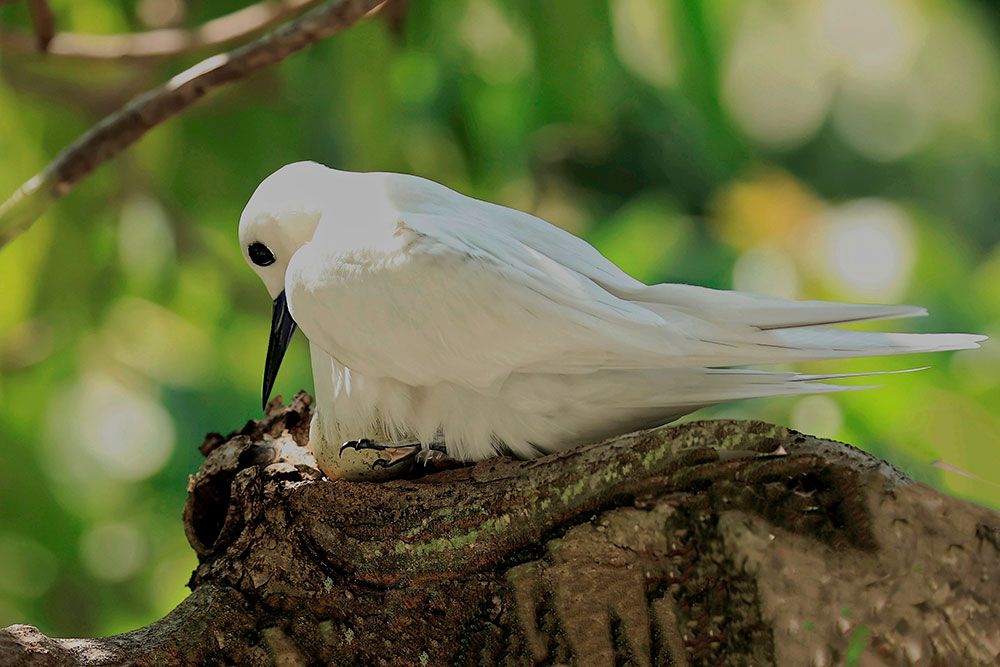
(474, 292)
(410, 193)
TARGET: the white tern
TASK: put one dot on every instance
(438, 317)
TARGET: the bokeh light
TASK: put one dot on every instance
(818, 415)
(500, 53)
(884, 123)
(775, 82)
(645, 39)
(872, 42)
(103, 429)
(867, 250)
(113, 551)
(29, 568)
(766, 270)
(146, 243)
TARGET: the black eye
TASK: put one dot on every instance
(260, 254)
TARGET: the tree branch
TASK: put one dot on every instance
(724, 543)
(159, 44)
(122, 128)
(44, 21)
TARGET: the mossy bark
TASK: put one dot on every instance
(736, 543)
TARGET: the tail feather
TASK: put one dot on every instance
(829, 343)
(772, 377)
(677, 390)
(759, 311)
(715, 348)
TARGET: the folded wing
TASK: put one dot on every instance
(485, 291)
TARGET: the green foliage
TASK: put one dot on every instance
(804, 149)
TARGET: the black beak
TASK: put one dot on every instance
(282, 328)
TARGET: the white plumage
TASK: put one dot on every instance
(434, 315)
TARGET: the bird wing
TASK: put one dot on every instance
(421, 195)
(466, 310)
(478, 291)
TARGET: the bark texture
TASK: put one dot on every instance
(723, 543)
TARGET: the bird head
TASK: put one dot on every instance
(280, 218)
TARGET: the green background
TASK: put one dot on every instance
(835, 149)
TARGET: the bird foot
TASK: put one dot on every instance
(395, 454)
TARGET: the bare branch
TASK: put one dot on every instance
(122, 128)
(44, 21)
(159, 44)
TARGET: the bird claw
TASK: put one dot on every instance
(395, 453)
(385, 464)
(364, 443)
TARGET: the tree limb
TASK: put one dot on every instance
(44, 21)
(724, 543)
(122, 128)
(159, 44)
